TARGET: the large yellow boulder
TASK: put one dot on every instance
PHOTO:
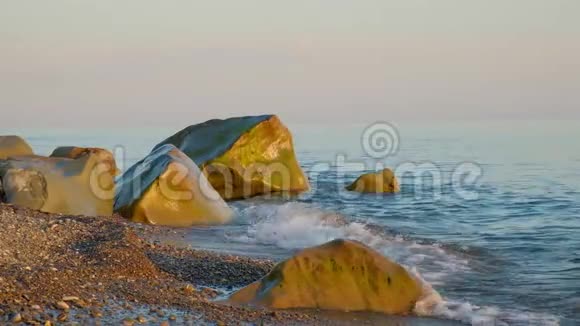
(59, 185)
(168, 188)
(13, 146)
(105, 157)
(243, 157)
(383, 181)
(339, 275)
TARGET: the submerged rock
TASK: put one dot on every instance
(167, 188)
(383, 181)
(243, 157)
(58, 185)
(339, 275)
(105, 157)
(13, 146)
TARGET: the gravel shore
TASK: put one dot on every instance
(96, 270)
(82, 270)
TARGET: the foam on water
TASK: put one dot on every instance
(293, 226)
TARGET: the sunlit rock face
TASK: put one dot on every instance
(339, 275)
(243, 157)
(383, 181)
(168, 188)
(58, 185)
(105, 157)
(13, 146)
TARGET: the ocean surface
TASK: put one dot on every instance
(489, 212)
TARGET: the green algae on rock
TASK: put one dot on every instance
(243, 156)
(383, 181)
(339, 275)
(13, 146)
(168, 188)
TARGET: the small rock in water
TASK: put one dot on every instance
(172, 317)
(62, 305)
(36, 307)
(141, 319)
(164, 323)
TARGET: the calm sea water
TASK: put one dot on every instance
(507, 253)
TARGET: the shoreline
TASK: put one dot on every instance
(58, 268)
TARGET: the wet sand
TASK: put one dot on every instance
(105, 270)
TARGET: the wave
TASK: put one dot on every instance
(293, 226)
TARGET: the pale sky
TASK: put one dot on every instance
(147, 63)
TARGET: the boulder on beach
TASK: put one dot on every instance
(383, 181)
(58, 185)
(26, 188)
(105, 157)
(168, 188)
(339, 275)
(13, 146)
(243, 157)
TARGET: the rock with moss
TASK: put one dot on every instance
(168, 188)
(244, 156)
(13, 146)
(383, 181)
(339, 275)
(58, 185)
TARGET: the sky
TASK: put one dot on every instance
(175, 63)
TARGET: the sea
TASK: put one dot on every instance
(488, 213)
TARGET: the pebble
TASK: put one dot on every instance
(62, 317)
(164, 323)
(95, 313)
(189, 289)
(172, 317)
(141, 319)
(70, 298)
(62, 305)
(35, 307)
(16, 318)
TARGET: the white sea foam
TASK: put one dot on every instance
(295, 226)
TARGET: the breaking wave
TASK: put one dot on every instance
(293, 226)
